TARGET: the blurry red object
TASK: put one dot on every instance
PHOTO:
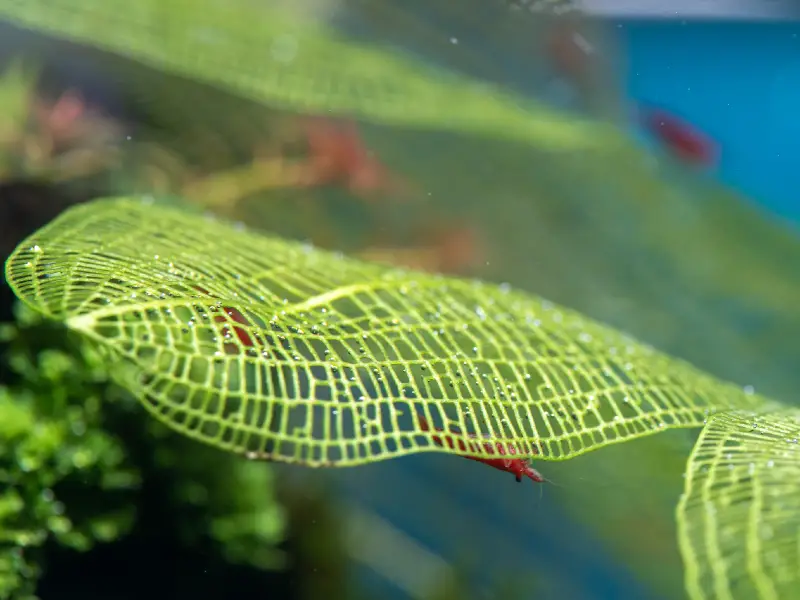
(61, 119)
(338, 155)
(682, 139)
(454, 249)
(569, 51)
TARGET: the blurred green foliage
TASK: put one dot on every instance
(232, 496)
(16, 89)
(54, 454)
(72, 466)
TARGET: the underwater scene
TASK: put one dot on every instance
(420, 300)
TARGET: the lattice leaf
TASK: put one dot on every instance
(739, 516)
(264, 346)
(263, 53)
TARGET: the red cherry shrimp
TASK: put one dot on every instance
(519, 467)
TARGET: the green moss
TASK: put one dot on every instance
(52, 442)
(76, 451)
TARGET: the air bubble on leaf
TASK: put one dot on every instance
(533, 321)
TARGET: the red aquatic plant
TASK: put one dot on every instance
(337, 155)
(453, 248)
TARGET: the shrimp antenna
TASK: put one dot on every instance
(541, 487)
(551, 482)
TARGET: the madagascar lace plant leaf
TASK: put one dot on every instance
(264, 53)
(739, 516)
(269, 347)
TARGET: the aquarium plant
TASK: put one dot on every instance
(275, 350)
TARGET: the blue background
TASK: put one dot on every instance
(740, 83)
